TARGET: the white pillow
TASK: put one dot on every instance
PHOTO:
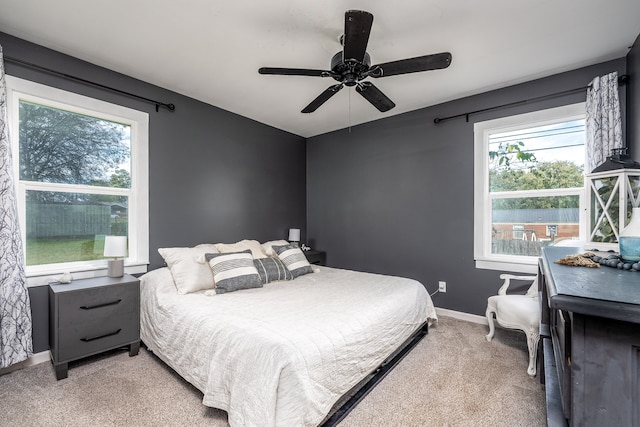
(189, 272)
(242, 245)
(268, 247)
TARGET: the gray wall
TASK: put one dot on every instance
(395, 196)
(633, 100)
(214, 176)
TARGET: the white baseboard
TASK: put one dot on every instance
(474, 318)
(36, 359)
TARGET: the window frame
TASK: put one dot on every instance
(482, 202)
(138, 195)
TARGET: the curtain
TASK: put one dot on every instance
(15, 308)
(603, 121)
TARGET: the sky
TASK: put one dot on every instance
(561, 141)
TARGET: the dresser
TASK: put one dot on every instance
(90, 316)
(590, 352)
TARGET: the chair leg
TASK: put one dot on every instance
(532, 343)
(492, 328)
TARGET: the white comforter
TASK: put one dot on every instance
(281, 355)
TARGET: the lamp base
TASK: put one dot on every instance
(115, 268)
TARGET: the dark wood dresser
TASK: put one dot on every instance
(590, 351)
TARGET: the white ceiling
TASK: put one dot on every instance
(211, 50)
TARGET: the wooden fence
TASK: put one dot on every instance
(54, 220)
(518, 247)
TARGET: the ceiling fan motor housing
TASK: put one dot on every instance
(350, 71)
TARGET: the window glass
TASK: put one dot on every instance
(522, 226)
(536, 158)
(529, 184)
(65, 147)
(67, 227)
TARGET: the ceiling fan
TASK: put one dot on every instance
(353, 65)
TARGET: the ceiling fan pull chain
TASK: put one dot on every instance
(349, 111)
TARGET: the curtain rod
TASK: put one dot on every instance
(170, 107)
(621, 81)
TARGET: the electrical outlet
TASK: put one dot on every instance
(442, 286)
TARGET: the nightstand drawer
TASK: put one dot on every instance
(88, 338)
(100, 304)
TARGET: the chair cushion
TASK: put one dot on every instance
(515, 311)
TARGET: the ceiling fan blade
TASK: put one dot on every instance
(375, 96)
(412, 65)
(322, 98)
(357, 27)
(294, 72)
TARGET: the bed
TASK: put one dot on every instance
(285, 353)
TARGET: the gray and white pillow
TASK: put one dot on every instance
(233, 271)
(294, 259)
(272, 269)
(267, 247)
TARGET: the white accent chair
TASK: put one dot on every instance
(520, 312)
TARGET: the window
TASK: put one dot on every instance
(81, 169)
(518, 231)
(529, 186)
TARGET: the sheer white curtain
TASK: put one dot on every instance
(15, 308)
(603, 120)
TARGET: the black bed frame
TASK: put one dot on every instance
(357, 393)
(360, 390)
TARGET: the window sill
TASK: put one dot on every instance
(44, 278)
(516, 267)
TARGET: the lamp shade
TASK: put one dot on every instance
(294, 234)
(115, 246)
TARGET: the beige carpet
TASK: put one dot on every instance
(453, 377)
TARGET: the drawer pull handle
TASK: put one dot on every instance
(91, 307)
(100, 336)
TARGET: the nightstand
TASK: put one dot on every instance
(316, 257)
(90, 316)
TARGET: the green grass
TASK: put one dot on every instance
(63, 249)
(53, 250)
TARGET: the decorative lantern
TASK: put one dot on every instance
(613, 191)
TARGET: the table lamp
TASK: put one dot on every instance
(116, 247)
(294, 236)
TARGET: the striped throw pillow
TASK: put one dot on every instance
(272, 269)
(294, 259)
(233, 271)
